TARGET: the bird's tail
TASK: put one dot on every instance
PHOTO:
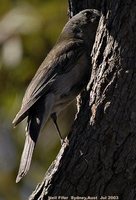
(36, 119)
(32, 132)
(26, 157)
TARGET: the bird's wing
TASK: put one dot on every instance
(60, 60)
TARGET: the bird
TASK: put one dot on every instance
(59, 80)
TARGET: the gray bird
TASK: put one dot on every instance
(60, 78)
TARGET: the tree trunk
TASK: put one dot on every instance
(100, 160)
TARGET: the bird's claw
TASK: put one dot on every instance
(64, 141)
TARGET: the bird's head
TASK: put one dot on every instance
(82, 26)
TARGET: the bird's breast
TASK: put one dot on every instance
(68, 85)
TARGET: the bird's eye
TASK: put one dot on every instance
(88, 14)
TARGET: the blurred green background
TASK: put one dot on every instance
(28, 30)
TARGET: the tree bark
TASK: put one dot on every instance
(100, 159)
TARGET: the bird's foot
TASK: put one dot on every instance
(64, 141)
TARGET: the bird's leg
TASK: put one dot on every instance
(54, 118)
